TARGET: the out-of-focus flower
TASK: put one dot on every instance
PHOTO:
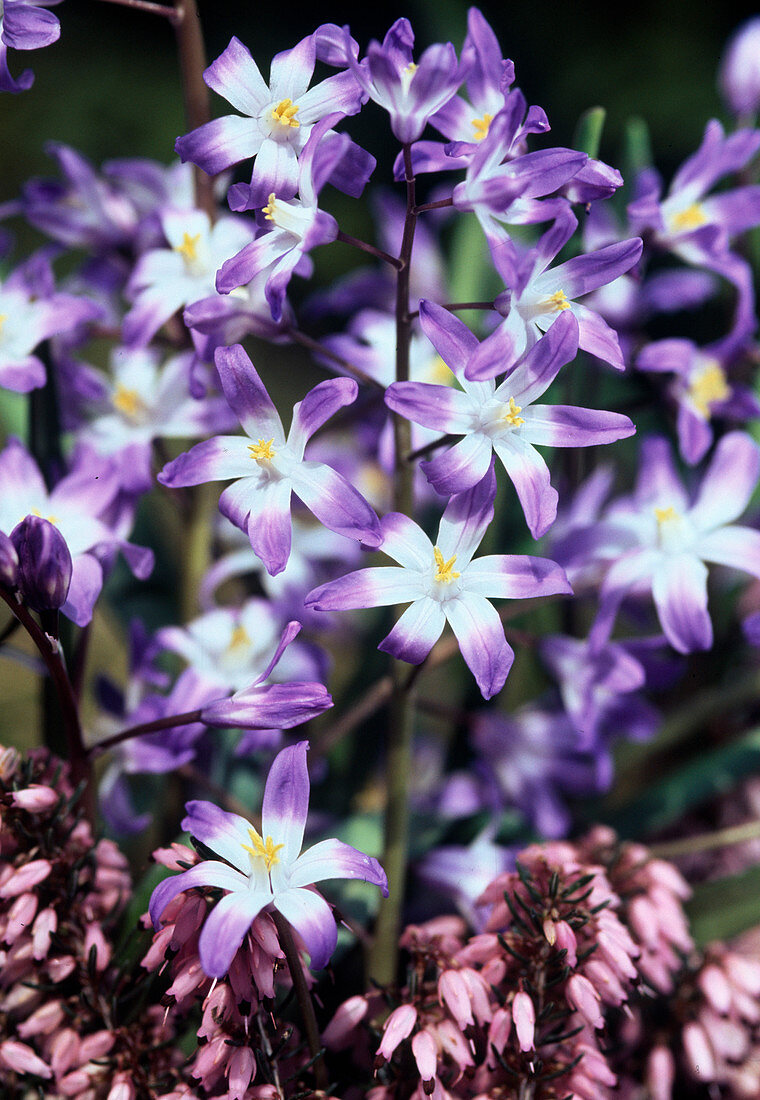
(739, 74)
(24, 25)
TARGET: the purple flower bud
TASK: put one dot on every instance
(8, 562)
(44, 563)
(739, 76)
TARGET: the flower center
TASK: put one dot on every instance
(510, 414)
(239, 639)
(188, 250)
(128, 402)
(665, 515)
(708, 386)
(556, 302)
(692, 217)
(3, 319)
(444, 570)
(480, 126)
(406, 76)
(285, 113)
(263, 849)
(262, 451)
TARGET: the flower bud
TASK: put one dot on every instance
(397, 1027)
(739, 75)
(35, 798)
(21, 1058)
(524, 1016)
(44, 563)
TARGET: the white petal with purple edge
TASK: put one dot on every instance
(208, 873)
(378, 586)
(571, 426)
(466, 519)
(439, 407)
(286, 800)
(405, 541)
(737, 547)
(679, 587)
(531, 478)
(333, 859)
(247, 395)
(221, 831)
(269, 525)
(460, 467)
(515, 577)
(416, 632)
(313, 920)
(729, 482)
(480, 634)
(225, 928)
(335, 502)
(225, 456)
(317, 407)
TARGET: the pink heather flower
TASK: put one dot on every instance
(660, 1073)
(339, 1033)
(426, 1056)
(583, 997)
(698, 1052)
(397, 1027)
(524, 1016)
(20, 1058)
(35, 798)
(27, 877)
(452, 991)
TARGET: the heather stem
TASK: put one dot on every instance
(295, 966)
(384, 953)
(169, 722)
(52, 656)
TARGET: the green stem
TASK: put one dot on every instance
(706, 842)
(192, 61)
(288, 944)
(383, 955)
(167, 723)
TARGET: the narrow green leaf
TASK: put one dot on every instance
(725, 908)
(588, 132)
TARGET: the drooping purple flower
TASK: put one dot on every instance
(443, 584)
(660, 541)
(537, 293)
(502, 419)
(272, 467)
(76, 506)
(24, 25)
(266, 870)
(739, 74)
(410, 91)
(276, 120)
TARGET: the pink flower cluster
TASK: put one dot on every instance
(59, 894)
(234, 1022)
(575, 932)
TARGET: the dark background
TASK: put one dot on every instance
(110, 85)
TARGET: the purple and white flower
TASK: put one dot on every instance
(536, 294)
(272, 467)
(660, 541)
(410, 91)
(166, 279)
(503, 418)
(276, 120)
(443, 584)
(266, 870)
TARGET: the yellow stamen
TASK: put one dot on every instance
(665, 515)
(406, 76)
(269, 210)
(510, 414)
(239, 638)
(3, 319)
(441, 372)
(480, 126)
(188, 250)
(50, 519)
(692, 217)
(707, 387)
(284, 113)
(444, 570)
(262, 451)
(127, 401)
(557, 301)
(265, 849)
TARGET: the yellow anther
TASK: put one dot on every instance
(270, 208)
(440, 372)
(188, 250)
(707, 387)
(511, 412)
(557, 301)
(406, 76)
(3, 319)
(50, 519)
(665, 515)
(692, 217)
(264, 849)
(480, 126)
(444, 570)
(262, 451)
(127, 401)
(285, 113)
(239, 638)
